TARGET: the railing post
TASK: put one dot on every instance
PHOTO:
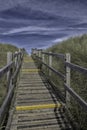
(41, 53)
(19, 57)
(19, 62)
(43, 57)
(33, 50)
(50, 63)
(36, 52)
(40, 59)
(16, 60)
(43, 60)
(9, 59)
(68, 58)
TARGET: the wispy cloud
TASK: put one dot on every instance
(28, 29)
(60, 39)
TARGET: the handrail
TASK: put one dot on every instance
(54, 54)
(76, 67)
(6, 69)
(55, 71)
(11, 69)
(67, 72)
(76, 96)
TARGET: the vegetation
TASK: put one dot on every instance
(4, 48)
(77, 47)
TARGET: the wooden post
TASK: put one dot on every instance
(19, 62)
(16, 60)
(9, 59)
(68, 58)
(39, 53)
(36, 52)
(50, 63)
(43, 58)
(19, 57)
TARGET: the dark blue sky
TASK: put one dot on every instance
(41, 23)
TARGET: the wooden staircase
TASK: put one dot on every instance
(36, 106)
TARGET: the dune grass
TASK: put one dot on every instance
(77, 47)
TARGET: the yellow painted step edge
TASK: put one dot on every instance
(33, 72)
(30, 70)
(34, 107)
(26, 61)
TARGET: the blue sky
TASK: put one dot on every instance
(41, 23)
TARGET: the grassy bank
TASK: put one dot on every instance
(4, 48)
(77, 47)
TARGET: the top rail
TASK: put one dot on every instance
(76, 67)
(76, 96)
(54, 54)
(55, 71)
(6, 69)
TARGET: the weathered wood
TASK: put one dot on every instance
(6, 68)
(67, 80)
(67, 71)
(76, 97)
(62, 56)
(39, 53)
(33, 89)
(16, 59)
(76, 67)
(6, 103)
(9, 119)
(50, 63)
(16, 54)
(9, 57)
(55, 71)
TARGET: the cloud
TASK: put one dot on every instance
(60, 39)
(28, 29)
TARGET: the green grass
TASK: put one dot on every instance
(4, 48)
(77, 47)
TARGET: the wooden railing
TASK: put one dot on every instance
(40, 56)
(12, 69)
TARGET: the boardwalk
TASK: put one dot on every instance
(36, 106)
